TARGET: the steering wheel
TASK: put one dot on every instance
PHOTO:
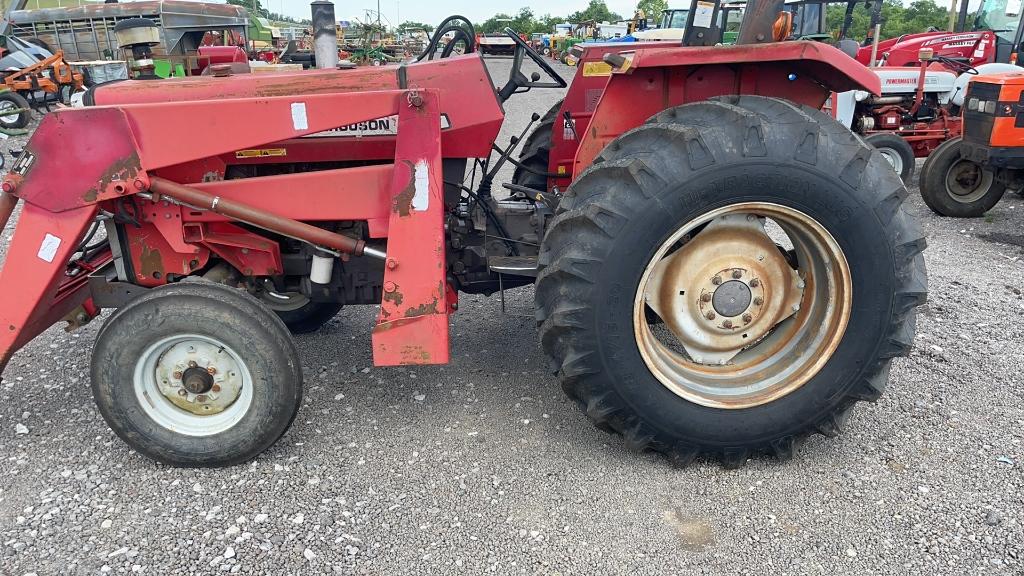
(516, 78)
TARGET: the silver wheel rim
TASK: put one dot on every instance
(894, 159)
(165, 370)
(8, 118)
(968, 182)
(736, 353)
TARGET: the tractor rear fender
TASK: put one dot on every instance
(650, 80)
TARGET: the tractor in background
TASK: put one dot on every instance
(966, 177)
(728, 271)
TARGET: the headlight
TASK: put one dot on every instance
(990, 107)
(972, 104)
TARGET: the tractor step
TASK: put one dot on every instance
(513, 265)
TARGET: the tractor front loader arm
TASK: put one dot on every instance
(121, 161)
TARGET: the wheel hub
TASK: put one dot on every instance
(728, 316)
(198, 377)
(732, 298)
(195, 380)
(725, 289)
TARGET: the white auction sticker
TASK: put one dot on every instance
(421, 197)
(702, 16)
(299, 120)
(48, 249)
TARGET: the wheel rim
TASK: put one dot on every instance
(6, 105)
(968, 182)
(894, 159)
(193, 385)
(724, 318)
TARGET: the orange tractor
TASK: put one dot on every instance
(729, 271)
(966, 177)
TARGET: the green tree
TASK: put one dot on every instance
(652, 8)
(410, 25)
(253, 6)
(897, 19)
(597, 11)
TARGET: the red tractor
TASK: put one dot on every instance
(728, 272)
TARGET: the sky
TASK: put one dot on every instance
(433, 11)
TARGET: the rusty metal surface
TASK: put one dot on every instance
(242, 212)
(133, 9)
(686, 288)
(770, 347)
(412, 327)
(35, 291)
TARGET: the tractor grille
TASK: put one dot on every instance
(977, 121)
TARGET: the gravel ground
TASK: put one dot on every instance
(483, 465)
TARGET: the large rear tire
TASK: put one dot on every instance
(647, 300)
(196, 374)
(954, 186)
(537, 151)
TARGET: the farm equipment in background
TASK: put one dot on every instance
(993, 37)
(966, 177)
(919, 107)
(727, 272)
(33, 76)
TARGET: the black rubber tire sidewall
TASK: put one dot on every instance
(310, 317)
(19, 102)
(232, 318)
(859, 233)
(898, 146)
(933, 185)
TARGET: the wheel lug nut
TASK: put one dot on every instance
(755, 283)
(182, 392)
(216, 388)
(192, 364)
(705, 297)
(737, 274)
(747, 318)
(758, 301)
(177, 375)
(716, 280)
(710, 316)
(211, 370)
(201, 398)
(727, 324)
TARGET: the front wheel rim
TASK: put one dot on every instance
(968, 182)
(894, 159)
(193, 385)
(724, 318)
(8, 118)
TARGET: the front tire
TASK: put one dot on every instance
(849, 283)
(896, 151)
(196, 374)
(954, 186)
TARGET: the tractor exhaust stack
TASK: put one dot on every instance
(325, 35)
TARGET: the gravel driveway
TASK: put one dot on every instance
(484, 466)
